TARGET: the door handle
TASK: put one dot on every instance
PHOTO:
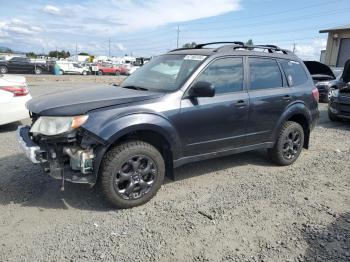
(287, 97)
(241, 103)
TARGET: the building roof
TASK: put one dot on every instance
(343, 27)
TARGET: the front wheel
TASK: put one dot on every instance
(288, 145)
(132, 173)
(332, 117)
(329, 94)
(3, 69)
(84, 73)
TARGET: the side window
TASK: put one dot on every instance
(264, 73)
(294, 72)
(225, 74)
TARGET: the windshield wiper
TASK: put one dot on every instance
(135, 88)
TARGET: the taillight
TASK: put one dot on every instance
(316, 94)
(16, 90)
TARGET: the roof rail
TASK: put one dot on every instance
(199, 46)
(237, 45)
(270, 48)
(215, 43)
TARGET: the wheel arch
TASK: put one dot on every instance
(149, 128)
(297, 113)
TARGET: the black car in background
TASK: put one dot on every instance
(187, 105)
(324, 78)
(21, 65)
(339, 104)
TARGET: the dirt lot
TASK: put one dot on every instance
(236, 208)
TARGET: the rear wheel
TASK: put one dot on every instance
(288, 145)
(61, 72)
(132, 173)
(100, 73)
(84, 73)
(3, 69)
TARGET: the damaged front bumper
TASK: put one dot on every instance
(67, 157)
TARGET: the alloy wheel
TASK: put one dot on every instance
(292, 144)
(136, 177)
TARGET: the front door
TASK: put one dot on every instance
(218, 123)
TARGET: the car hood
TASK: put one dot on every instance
(82, 100)
(9, 80)
(316, 69)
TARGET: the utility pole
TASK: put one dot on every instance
(76, 51)
(177, 38)
(109, 47)
(294, 46)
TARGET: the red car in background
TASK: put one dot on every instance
(109, 69)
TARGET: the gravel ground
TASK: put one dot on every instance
(236, 208)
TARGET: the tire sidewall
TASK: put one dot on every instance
(277, 151)
(110, 169)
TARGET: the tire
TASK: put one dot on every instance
(38, 71)
(328, 96)
(289, 144)
(84, 73)
(61, 72)
(100, 73)
(332, 117)
(122, 171)
(3, 69)
(117, 73)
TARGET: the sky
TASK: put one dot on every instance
(152, 27)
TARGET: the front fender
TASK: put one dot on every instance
(114, 129)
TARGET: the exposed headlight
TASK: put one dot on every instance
(52, 125)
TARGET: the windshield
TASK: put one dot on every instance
(164, 73)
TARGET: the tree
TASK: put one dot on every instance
(189, 45)
(59, 54)
(249, 42)
(83, 53)
(31, 55)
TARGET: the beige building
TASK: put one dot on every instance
(338, 45)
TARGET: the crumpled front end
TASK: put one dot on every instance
(73, 156)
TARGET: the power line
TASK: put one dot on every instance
(267, 14)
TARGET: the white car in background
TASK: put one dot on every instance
(67, 67)
(14, 95)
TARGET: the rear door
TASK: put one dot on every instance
(269, 95)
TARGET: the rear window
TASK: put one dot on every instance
(294, 72)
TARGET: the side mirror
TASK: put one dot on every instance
(202, 89)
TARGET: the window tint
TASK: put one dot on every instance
(225, 74)
(19, 59)
(264, 73)
(294, 72)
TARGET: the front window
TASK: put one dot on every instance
(226, 75)
(164, 73)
